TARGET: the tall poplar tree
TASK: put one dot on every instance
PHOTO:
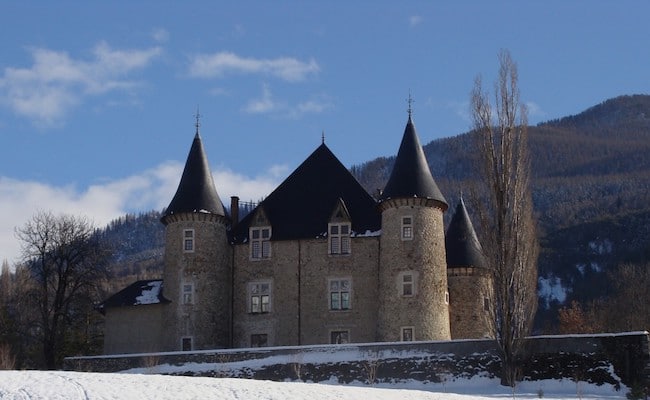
(506, 212)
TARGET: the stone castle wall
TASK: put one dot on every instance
(299, 272)
(122, 335)
(469, 315)
(614, 359)
(427, 310)
(205, 318)
(318, 268)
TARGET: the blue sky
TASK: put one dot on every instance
(97, 99)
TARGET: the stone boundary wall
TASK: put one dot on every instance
(605, 358)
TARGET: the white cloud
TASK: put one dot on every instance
(230, 183)
(415, 20)
(266, 103)
(263, 104)
(103, 202)
(219, 64)
(461, 109)
(160, 35)
(534, 110)
(312, 106)
(55, 82)
(218, 91)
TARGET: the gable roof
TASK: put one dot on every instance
(461, 242)
(138, 293)
(196, 191)
(411, 176)
(301, 206)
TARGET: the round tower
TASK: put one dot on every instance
(197, 274)
(413, 298)
(470, 282)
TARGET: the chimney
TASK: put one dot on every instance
(234, 211)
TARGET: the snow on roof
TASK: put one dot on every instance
(149, 296)
(138, 293)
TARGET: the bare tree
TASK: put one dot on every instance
(6, 281)
(630, 292)
(65, 264)
(506, 212)
(7, 318)
(576, 319)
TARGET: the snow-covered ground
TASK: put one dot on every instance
(52, 385)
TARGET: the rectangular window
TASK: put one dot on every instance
(259, 340)
(260, 297)
(407, 334)
(260, 243)
(188, 240)
(407, 228)
(339, 337)
(446, 297)
(407, 284)
(339, 294)
(188, 293)
(486, 304)
(186, 343)
(339, 238)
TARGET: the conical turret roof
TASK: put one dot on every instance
(411, 176)
(196, 191)
(461, 242)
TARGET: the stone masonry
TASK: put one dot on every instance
(426, 310)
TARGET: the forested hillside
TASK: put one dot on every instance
(137, 244)
(591, 189)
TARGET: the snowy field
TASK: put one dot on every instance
(53, 385)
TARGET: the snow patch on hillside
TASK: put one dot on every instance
(551, 289)
(601, 246)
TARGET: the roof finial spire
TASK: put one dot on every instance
(322, 137)
(197, 124)
(410, 101)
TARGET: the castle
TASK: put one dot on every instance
(317, 261)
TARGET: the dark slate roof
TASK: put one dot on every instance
(461, 243)
(196, 191)
(138, 293)
(411, 176)
(302, 205)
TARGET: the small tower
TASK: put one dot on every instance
(197, 274)
(413, 298)
(468, 278)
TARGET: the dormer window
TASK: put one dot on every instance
(188, 240)
(259, 236)
(339, 238)
(407, 228)
(260, 243)
(339, 230)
